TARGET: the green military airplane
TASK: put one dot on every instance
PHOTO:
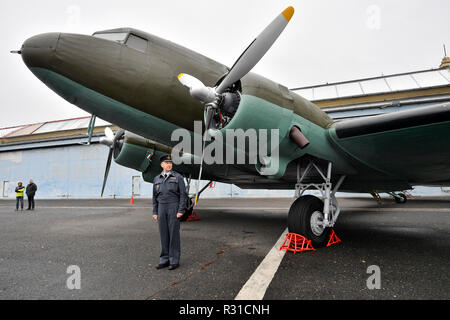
(138, 82)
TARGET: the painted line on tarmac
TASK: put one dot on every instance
(255, 288)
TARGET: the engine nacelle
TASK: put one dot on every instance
(139, 153)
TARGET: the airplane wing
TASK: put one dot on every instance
(412, 145)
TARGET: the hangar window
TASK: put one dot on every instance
(112, 36)
(137, 43)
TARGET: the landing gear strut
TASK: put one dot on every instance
(190, 202)
(311, 216)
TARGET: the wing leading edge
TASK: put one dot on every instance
(393, 121)
(413, 145)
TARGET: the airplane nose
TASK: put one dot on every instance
(38, 51)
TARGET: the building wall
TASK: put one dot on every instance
(73, 171)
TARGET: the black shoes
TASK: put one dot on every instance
(162, 265)
(165, 265)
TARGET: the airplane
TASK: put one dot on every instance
(149, 87)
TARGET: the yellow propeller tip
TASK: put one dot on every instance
(288, 13)
(180, 75)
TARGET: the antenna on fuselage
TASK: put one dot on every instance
(445, 63)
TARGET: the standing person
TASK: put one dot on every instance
(31, 191)
(169, 204)
(19, 195)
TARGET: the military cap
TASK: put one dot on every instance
(166, 157)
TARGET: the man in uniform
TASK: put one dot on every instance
(169, 204)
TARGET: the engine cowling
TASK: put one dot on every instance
(139, 153)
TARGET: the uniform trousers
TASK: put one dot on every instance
(169, 232)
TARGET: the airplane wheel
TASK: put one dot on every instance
(189, 209)
(403, 198)
(304, 218)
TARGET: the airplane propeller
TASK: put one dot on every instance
(211, 97)
(114, 143)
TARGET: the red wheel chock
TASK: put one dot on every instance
(296, 243)
(333, 238)
(193, 217)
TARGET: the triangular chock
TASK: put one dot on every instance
(296, 243)
(193, 217)
(333, 238)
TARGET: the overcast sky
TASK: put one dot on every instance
(326, 41)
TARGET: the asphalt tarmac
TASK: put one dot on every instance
(116, 247)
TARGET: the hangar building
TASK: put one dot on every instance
(54, 155)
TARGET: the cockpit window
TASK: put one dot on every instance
(137, 43)
(113, 36)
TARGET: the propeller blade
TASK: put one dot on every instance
(256, 50)
(197, 89)
(209, 112)
(109, 133)
(108, 165)
(208, 116)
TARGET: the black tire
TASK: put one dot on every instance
(299, 219)
(403, 198)
(189, 209)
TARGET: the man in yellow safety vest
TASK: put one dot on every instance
(19, 195)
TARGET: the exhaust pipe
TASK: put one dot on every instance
(298, 137)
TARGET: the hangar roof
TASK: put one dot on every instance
(383, 84)
(51, 130)
(50, 126)
(386, 87)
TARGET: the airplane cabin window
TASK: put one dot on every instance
(137, 43)
(116, 36)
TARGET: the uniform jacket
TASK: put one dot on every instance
(31, 189)
(169, 190)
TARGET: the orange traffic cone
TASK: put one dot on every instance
(131, 200)
(333, 238)
(296, 243)
(193, 217)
